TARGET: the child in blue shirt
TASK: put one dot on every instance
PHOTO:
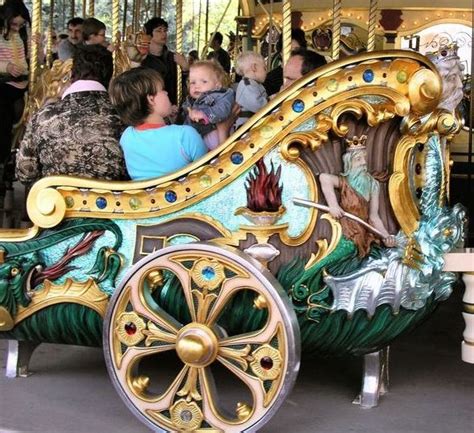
(151, 148)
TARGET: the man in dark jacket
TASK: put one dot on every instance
(221, 55)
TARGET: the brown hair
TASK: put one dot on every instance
(216, 68)
(129, 93)
(91, 26)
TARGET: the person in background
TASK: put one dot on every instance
(218, 53)
(301, 62)
(79, 134)
(250, 93)
(274, 79)
(209, 103)
(68, 46)
(193, 56)
(54, 45)
(161, 59)
(93, 32)
(151, 147)
(13, 70)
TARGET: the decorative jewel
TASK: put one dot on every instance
(418, 168)
(170, 196)
(129, 327)
(266, 362)
(208, 274)
(368, 75)
(186, 416)
(135, 203)
(332, 85)
(266, 132)
(101, 202)
(356, 143)
(402, 77)
(205, 181)
(237, 158)
(298, 106)
(69, 202)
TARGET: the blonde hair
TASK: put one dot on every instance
(245, 60)
(214, 67)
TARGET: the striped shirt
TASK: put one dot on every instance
(13, 51)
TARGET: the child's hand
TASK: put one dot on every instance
(198, 116)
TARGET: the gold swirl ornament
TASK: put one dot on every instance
(46, 208)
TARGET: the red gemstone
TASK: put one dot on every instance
(130, 328)
(267, 363)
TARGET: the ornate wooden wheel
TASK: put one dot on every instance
(265, 360)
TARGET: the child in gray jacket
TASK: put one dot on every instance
(250, 94)
(209, 102)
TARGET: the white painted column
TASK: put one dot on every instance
(463, 261)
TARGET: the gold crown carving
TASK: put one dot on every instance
(445, 52)
(357, 143)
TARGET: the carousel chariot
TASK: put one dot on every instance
(321, 224)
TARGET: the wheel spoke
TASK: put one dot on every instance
(229, 287)
(157, 314)
(261, 336)
(210, 400)
(134, 354)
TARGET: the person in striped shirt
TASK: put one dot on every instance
(13, 69)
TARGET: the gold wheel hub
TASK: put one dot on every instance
(196, 345)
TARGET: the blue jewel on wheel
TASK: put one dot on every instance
(101, 202)
(208, 273)
(298, 106)
(368, 75)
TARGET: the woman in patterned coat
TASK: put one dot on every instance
(79, 134)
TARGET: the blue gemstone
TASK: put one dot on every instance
(170, 196)
(208, 273)
(101, 202)
(368, 75)
(298, 106)
(237, 158)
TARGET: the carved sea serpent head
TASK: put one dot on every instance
(15, 283)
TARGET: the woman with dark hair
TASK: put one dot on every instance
(13, 69)
(79, 134)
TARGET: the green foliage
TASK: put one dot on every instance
(193, 18)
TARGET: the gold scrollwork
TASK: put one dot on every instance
(312, 139)
(401, 198)
(375, 113)
(85, 293)
(323, 248)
